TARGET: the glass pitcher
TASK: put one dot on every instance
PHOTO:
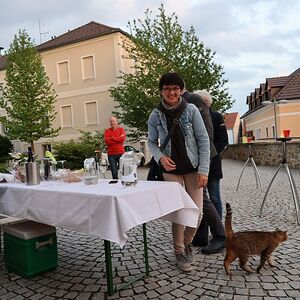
(128, 169)
(90, 171)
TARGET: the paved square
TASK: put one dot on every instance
(81, 275)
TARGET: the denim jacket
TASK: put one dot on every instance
(194, 132)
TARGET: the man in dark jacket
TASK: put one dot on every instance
(212, 208)
(215, 170)
(204, 110)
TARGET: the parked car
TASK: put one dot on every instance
(138, 155)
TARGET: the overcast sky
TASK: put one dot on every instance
(253, 39)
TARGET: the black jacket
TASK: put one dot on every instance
(220, 142)
(204, 110)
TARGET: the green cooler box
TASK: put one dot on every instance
(30, 248)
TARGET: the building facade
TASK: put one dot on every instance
(83, 64)
(274, 107)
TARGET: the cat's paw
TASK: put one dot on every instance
(248, 269)
(271, 261)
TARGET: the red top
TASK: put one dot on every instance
(114, 140)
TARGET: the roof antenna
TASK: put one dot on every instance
(40, 32)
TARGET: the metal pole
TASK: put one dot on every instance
(275, 118)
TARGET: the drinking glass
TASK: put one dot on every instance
(102, 166)
(62, 162)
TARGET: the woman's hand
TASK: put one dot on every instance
(202, 181)
(167, 163)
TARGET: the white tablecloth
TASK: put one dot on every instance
(105, 210)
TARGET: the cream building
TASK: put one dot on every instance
(274, 106)
(82, 64)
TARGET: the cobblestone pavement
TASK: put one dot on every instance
(80, 274)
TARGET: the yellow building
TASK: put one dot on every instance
(82, 64)
(274, 107)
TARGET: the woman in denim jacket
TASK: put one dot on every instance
(186, 157)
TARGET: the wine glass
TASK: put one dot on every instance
(102, 166)
(62, 161)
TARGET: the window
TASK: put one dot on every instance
(257, 134)
(273, 130)
(267, 132)
(91, 113)
(66, 113)
(88, 67)
(63, 72)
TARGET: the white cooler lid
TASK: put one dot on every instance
(28, 230)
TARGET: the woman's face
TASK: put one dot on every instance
(171, 94)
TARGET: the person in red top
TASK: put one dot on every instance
(114, 138)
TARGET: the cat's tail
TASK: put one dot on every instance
(228, 221)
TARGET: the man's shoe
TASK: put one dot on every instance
(199, 242)
(189, 254)
(215, 246)
(182, 263)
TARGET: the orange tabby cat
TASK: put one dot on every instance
(248, 243)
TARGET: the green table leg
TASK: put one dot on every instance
(109, 274)
(146, 257)
(108, 263)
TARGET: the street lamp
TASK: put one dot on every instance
(274, 102)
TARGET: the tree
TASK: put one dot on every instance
(157, 46)
(5, 146)
(28, 97)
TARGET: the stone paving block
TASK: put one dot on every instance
(283, 286)
(257, 292)
(198, 291)
(239, 291)
(225, 296)
(126, 293)
(227, 290)
(237, 284)
(152, 295)
(178, 293)
(239, 297)
(190, 297)
(83, 296)
(268, 286)
(277, 293)
(293, 293)
(164, 289)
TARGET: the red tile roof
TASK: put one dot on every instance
(262, 87)
(88, 31)
(287, 87)
(277, 81)
(82, 33)
(230, 119)
(292, 88)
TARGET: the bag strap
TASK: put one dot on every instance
(171, 131)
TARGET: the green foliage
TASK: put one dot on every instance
(159, 45)
(75, 152)
(5, 146)
(3, 168)
(95, 138)
(28, 97)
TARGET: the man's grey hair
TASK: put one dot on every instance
(206, 97)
